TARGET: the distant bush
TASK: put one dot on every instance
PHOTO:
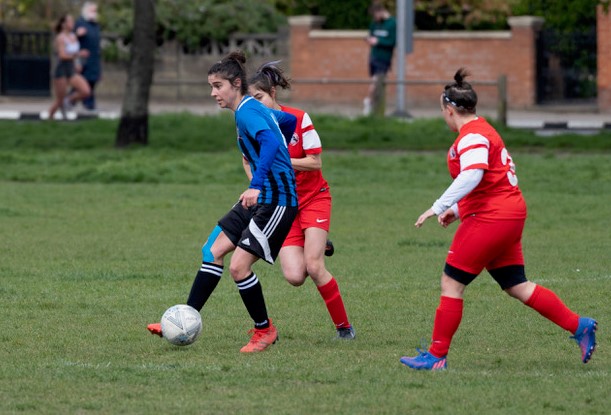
(193, 23)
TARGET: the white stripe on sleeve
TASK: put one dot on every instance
(462, 185)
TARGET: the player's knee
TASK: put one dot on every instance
(238, 271)
(522, 291)
(295, 277)
(315, 268)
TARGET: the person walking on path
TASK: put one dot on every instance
(66, 74)
(87, 31)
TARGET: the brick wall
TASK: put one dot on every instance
(314, 53)
(603, 35)
(436, 56)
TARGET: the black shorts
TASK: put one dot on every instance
(64, 69)
(260, 230)
(377, 66)
(506, 277)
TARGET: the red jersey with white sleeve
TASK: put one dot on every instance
(497, 196)
(306, 141)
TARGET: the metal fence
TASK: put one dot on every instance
(379, 104)
(25, 62)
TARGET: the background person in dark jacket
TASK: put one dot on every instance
(87, 30)
(382, 38)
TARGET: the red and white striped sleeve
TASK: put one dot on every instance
(311, 139)
(473, 152)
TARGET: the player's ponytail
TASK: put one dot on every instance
(460, 93)
(269, 76)
(232, 67)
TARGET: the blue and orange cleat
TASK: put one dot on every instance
(425, 361)
(585, 336)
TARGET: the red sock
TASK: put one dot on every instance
(335, 304)
(547, 303)
(447, 320)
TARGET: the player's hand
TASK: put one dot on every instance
(249, 197)
(424, 217)
(446, 218)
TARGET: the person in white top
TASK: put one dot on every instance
(66, 74)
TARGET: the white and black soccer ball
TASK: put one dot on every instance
(181, 324)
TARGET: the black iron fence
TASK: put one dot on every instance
(25, 62)
(566, 66)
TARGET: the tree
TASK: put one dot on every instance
(133, 128)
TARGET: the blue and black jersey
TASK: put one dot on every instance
(261, 138)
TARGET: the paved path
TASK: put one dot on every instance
(573, 118)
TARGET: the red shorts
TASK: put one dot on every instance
(480, 244)
(315, 213)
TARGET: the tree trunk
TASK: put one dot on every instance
(133, 127)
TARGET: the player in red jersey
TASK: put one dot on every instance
(486, 197)
(303, 251)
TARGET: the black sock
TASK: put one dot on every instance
(252, 296)
(205, 282)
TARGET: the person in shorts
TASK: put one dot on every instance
(381, 39)
(258, 223)
(66, 73)
(486, 198)
(303, 251)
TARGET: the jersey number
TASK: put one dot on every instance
(511, 173)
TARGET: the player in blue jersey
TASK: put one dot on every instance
(257, 224)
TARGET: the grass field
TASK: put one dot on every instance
(95, 243)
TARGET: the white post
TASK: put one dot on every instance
(404, 33)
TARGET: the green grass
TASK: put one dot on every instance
(184, 132)
(95, 243)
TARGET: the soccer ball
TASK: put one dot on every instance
(181, 324)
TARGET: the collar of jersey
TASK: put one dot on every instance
(244, 101)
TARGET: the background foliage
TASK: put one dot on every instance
(194, 21)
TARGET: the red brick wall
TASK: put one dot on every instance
(603, 34)
(436, 57)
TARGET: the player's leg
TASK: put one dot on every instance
(220, 242)
(550, 306)
(293, 266)
(315, 240)
(464, 262)
(314, 224)
(207, 278)
(291, 256)
(508, 270)
(262, 238)
(213, 252)
(448, 317)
